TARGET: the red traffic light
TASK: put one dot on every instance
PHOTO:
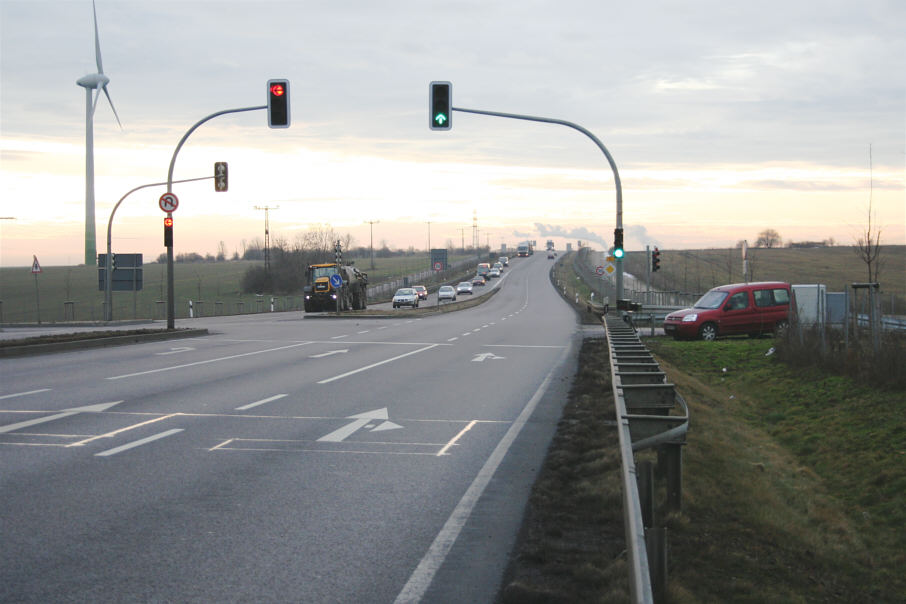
(168, 221)
(277, 89)
(278, 103)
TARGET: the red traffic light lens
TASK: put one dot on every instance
(168, 222)
(277, 89)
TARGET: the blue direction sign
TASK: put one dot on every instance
(336, 281)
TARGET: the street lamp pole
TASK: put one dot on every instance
(371, 224)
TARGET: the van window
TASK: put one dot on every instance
(771, 297)
(713, 299)
(738, 301)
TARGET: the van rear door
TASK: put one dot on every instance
(773, 306)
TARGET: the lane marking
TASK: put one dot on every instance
(24, 393)
(453, 440)
(339, 337)
(261, 402)
(520, 346)
(127, 428)
(196, 363)
(424, 573)
(378, 364)
(138, 443)
(454, 338)
(63, 414)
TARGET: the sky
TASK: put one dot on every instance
(724, 118)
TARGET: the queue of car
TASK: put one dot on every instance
(410, 296)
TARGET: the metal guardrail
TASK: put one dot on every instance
(645, 404)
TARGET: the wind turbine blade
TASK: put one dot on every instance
(112, 107)
(94, 102)
(97, 40)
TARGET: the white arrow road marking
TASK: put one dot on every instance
(361, 420)
(66, 413)
(483, 356)
(137, 443)
(328, 353)
(175, 350)
(261, 402)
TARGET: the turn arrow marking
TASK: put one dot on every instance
(41, 420)
(361, 420)
(483, 356)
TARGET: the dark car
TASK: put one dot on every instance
(422, 291)
(478, 280)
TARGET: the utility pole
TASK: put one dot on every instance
(371, 224)
(428, 222)
(267, 237)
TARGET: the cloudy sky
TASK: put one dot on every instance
(724, 118)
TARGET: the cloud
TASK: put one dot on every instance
(580, 233)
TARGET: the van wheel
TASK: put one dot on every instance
(708, 332)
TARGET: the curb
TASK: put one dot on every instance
(17, 350)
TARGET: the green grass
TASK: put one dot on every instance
(830, 455)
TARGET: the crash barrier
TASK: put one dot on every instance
(650, 414)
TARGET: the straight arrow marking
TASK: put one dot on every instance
(361, 420)
(49, 418)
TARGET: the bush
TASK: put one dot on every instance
(809, 347)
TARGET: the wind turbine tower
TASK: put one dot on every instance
(93, 82)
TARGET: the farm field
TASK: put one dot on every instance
(700, 270)
(214, 287)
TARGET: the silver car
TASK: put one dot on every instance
(464, 288)
(405, 296)
(446, 292)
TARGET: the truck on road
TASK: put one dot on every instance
(322, 293)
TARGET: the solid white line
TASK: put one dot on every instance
(24, 393)
(373, 365)
(261, 402)
(234, 356)
(453, 440)
(424, 573)
(137, 443)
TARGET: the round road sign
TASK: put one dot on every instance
(599, 270)
(168, 202)
(438, 266)
(336, 280)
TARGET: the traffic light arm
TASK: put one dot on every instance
(613, 166)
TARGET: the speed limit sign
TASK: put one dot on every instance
(168, 202)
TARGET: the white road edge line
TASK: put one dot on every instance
(261, 402)
(373, 365)
(137, 443)
(433, 559)
(234, 356)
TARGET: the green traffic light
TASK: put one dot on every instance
(439, 119)
(618, 253)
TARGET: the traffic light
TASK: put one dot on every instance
(278, 103)
(168, 231)
(618, 244)
(441, 106)
(655, 260)
(221, 176)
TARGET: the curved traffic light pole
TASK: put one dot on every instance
(613, 166)
(108, 278)
(171, 311)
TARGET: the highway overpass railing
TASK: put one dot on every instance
(651, 416)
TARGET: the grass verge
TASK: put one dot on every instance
(794, 487)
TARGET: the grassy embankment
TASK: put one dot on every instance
(794, 487)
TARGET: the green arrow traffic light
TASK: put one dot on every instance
(441, 104)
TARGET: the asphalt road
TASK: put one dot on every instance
(282, 459)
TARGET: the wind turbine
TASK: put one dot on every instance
(93, 81)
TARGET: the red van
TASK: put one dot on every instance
(742, 308)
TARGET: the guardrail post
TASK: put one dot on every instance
(646, 491)
(656, 544)
(671, 455)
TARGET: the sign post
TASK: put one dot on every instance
(36, 270)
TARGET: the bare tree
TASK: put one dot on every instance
(768, 238)
(868, 242)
